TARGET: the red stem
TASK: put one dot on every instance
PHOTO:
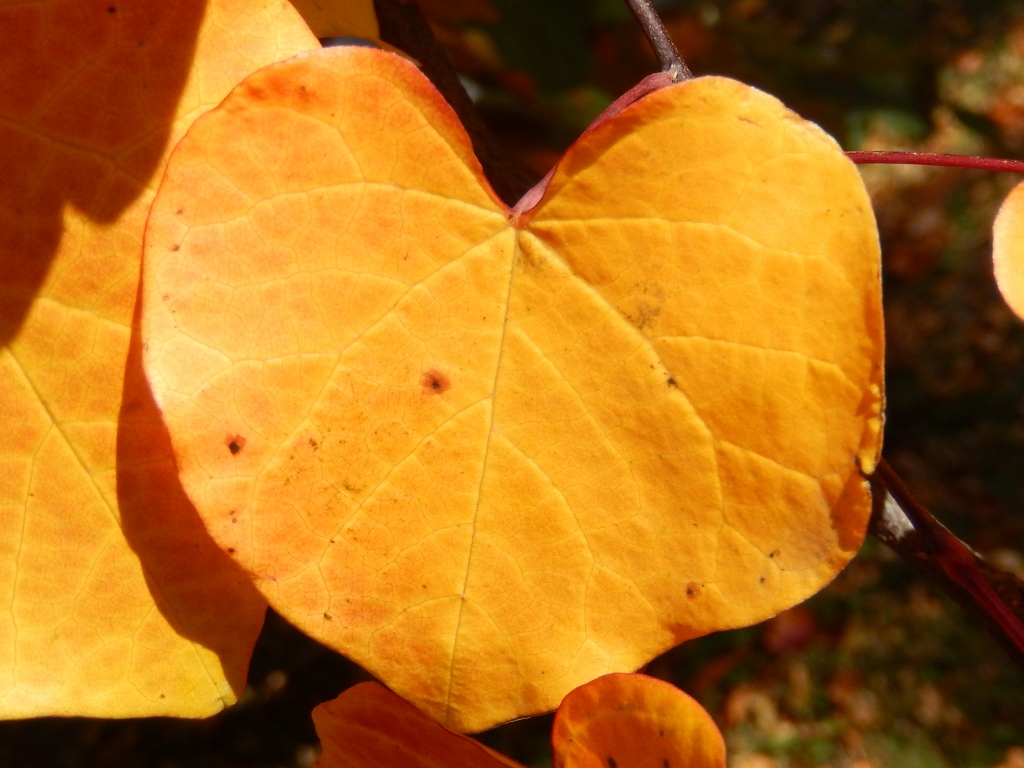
(931, 158)
(952, 555)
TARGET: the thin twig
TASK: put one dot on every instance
(657, 35)
(931, 158)
(901, 522)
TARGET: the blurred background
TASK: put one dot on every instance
(879, 669)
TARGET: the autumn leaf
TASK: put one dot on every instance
(368, 726)
(117, 602)
(339, 18)
(616, 720)
(1008, 250)
(634, 720)
(492, 454)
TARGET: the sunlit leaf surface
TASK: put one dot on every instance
(492, 455)
(634, 721)
(618, 720)
(368, 726)
(115, 601)
(1008, 249)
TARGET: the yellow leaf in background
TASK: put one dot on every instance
(116, 602)
(491, 455)
(1008, 249)
(368, 726)
(634, 721)
(339, 18)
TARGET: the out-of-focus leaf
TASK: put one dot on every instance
(494, 454)
(368, 726)
(116, 601)
(634, 721)
(1008, 249)
(339, 18)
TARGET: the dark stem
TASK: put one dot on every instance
(662, 44)
(930, 158)
(993, 596)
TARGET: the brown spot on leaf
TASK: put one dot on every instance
(612, 763)
(693, 589)
(761, 580)
(671, 382)
(235, 443)
(435, 381)
(176, 248)
(314, 444)
(231, 550)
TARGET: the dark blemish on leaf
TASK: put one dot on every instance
(314, 444)
(693, 589)
(328, 616)
(774, 553)
(661, 731)
(235, 443)
(180, 211)
(612, 763)
(664, 762)
(423, 585)
(162, 696)
(175, 247)
(435, 381)
(111, 9)
(671, 382)
(761, 579)
(231, 550)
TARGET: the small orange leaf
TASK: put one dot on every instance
(339, 18)
(494, 454)
(368, 726)
(1008, 249)
(634, 721)
(116, 601)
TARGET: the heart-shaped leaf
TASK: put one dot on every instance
(115, 602)
(492, 454)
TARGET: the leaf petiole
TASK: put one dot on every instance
(932, 158)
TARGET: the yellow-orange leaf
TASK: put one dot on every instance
(115, 601)
(492, 455)
(1008, 249)
(339, 18)
(368, 726)
(619, 720)
(634, 721)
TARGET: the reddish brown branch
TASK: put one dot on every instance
(995, 597)
(931, 158)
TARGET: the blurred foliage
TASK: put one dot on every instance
(877, 670)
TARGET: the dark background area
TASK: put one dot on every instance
(879, 669)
